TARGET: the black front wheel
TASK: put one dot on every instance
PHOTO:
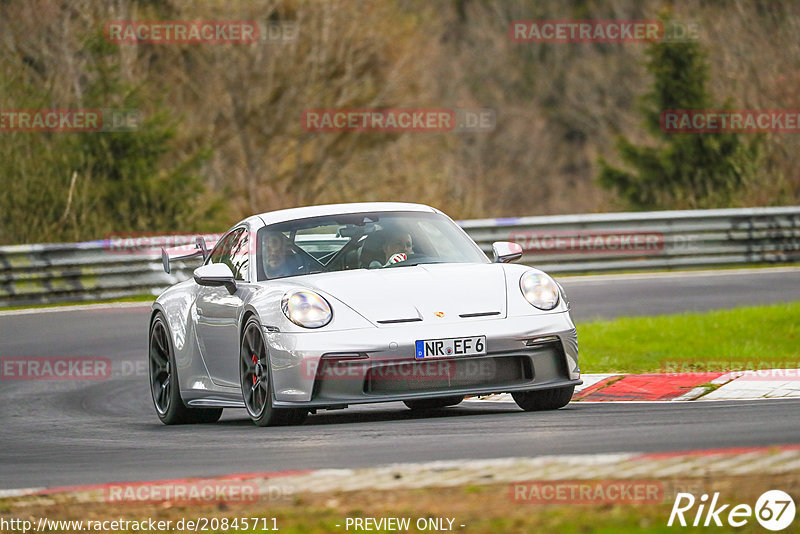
(164, 382)
(544, 399)
(256, 383)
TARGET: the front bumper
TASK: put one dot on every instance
(368, 365)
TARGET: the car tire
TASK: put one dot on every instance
(255, 380)
(164, 386)
(545, 399)
(433, 404)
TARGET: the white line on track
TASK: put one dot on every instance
(674, 402)
(5, 494)
(592, 278)
(562, 467)
(78, 307)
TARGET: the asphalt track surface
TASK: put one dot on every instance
(57, 433)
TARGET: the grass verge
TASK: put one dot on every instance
(753, 337)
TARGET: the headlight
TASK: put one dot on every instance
(539, 289)
(306, 309)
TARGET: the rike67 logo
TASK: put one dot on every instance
(774, 510)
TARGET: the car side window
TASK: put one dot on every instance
(222, 249)
(232, 251)
(240, 259)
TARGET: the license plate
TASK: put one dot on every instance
(447, 348)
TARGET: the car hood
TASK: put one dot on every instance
(434, 292)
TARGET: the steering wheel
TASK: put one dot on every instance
(410, 258)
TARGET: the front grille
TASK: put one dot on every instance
(433, 375)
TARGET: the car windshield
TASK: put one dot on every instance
(381, 240)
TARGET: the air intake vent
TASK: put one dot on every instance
(540, 340)
(478, 314)
(395, 321)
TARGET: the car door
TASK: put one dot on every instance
(218, 310)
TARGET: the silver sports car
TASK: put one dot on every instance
(316, 308)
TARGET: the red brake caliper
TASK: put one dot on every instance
(255, 361)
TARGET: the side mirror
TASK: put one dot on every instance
(506, 252)
(215, 274)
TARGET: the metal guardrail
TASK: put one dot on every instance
(97, 270)
(661, 240)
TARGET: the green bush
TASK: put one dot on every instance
(62, 186)
(682, 170)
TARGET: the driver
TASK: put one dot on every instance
(279, 260)
(397, 247)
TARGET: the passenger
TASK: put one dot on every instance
(279, 260)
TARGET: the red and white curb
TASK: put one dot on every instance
(740, 385)
(773, 384)
(617, 466)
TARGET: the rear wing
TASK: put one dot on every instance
(180, 253)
